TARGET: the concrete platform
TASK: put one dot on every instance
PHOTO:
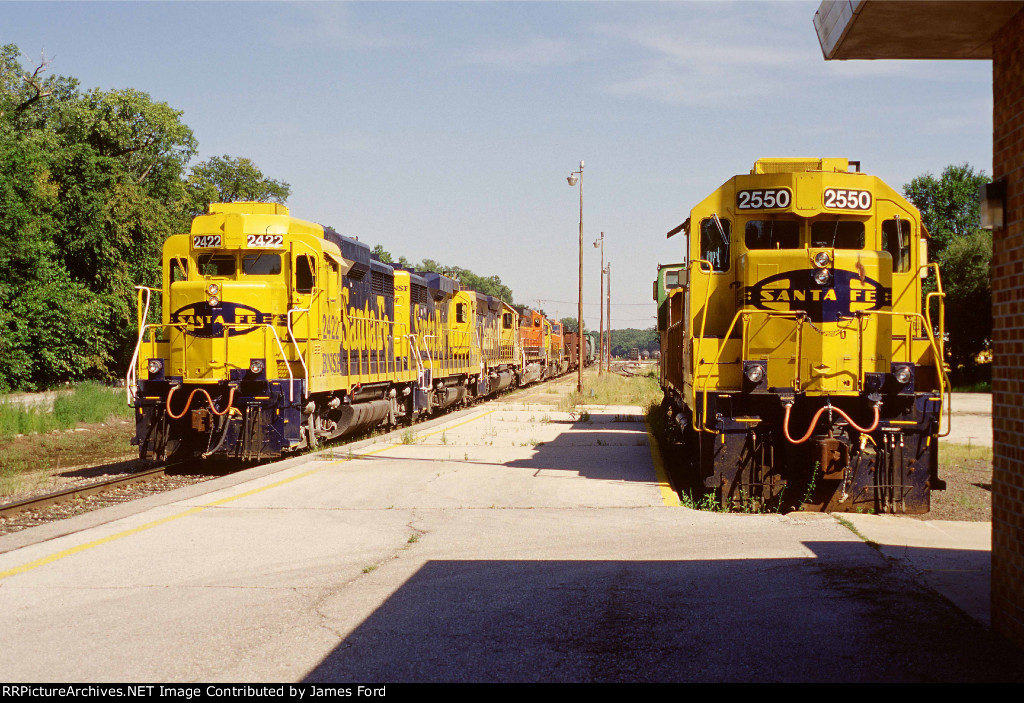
(507, 543)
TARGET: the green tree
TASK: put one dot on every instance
(948, 204)
(226, 179)
(569, 324)
(950, 210)
(91, 183)
(625, 339)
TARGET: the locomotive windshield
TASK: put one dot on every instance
(772, 234)
(837, 234)
(222, 265)
(261, 264)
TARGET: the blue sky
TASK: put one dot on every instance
(446, 130)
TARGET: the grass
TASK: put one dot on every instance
(408, 437)
(22, 457)
(613, 389)
(849, 525)
(89, 403)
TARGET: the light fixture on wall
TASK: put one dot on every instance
(993, 204)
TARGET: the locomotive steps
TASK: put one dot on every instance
(508, 542)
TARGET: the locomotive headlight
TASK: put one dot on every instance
(256, 366)
(821, 259)
(155, 366)
(755, 373)
(214, 301)
(213, 289)
(902, 374)
(821, 277)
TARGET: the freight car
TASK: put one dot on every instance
(802, 363)
(277, 333)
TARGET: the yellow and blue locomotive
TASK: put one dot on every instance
(800, 358)
(277, 333)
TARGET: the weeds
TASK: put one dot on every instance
(585, 416)
(708, 502)
(809, 493)
(408, 437)
(90, 402)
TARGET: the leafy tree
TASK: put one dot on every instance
(950, 210)
(948, 204)
(624, 340)
(226, 179)
(569, 324)
(91, 183)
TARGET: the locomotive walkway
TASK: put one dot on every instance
(510, 542)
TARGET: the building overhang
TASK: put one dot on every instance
(910, 29)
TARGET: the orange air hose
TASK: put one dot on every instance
(814, 422)
(188, 403)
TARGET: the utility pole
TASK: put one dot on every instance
(600, 315)
(608, 347)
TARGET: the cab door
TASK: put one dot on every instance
(303, 310)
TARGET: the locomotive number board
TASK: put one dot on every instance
(839, 199)
(268, 241)
(206, 241)
(763, 199)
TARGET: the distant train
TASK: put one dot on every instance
(277, 333)
(799, 364)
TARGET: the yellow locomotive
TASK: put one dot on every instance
(277, 333)
(798, 359)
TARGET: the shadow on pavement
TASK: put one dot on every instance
(843, 615)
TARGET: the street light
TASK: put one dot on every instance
(573, 180)
(600, 317)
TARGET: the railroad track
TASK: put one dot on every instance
(16, 507)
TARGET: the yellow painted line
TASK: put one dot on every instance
(149, 525)
(668, 496)
(192, 511)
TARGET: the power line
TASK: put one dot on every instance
(573, 302)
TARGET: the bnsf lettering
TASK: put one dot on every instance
(333, 363)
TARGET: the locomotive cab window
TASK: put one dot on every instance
(771, 234)
(179, 270)
(838, 234)
(305, 278)
(460, 312)
(714, 242)
(898, 245)
(671, 280)
(220, 265)
(262, 264)
(506, 321)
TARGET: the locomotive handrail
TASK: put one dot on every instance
(745, 312)
(945, 388)
(129, 379)
(941, 295)
(302, 359)
(707, 297)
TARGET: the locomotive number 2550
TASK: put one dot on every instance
(763, 199)
(847, 199)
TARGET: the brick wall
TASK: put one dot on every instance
(1008, 336)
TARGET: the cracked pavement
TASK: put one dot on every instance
(509, 542)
